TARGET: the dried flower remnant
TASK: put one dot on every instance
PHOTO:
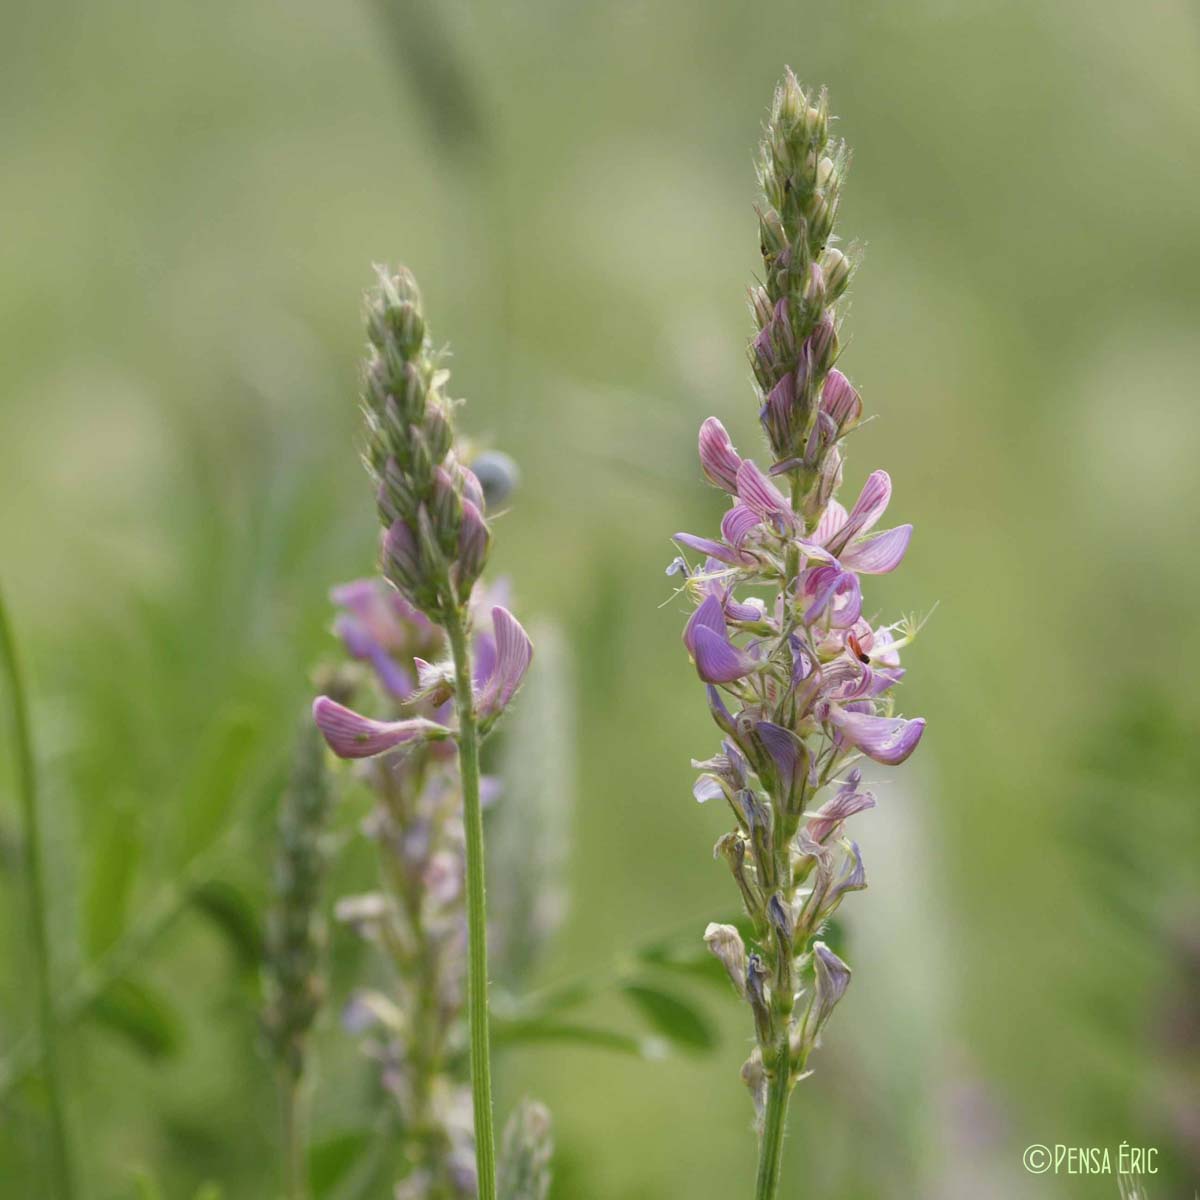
(800, 685)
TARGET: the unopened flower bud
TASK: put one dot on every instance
(838, 269)
(756, 994)
(773, 236)
(473, 541)
(445, 511)
(814, 287)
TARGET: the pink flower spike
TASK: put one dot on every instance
(514, 653)
(351, 735)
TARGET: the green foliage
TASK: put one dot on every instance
(141, 1015)
(333, 1158)
(679, 1021)
(232, 912)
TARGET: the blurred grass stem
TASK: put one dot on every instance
(295, 1159)
(60, 1169)
(477, 970)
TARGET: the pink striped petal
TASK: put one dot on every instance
(709, 615)
(514, 652)
(737, 524)
(840, 401)
(717, 660)
(757, 492)
(718, 459)
(832, 519)
(871, 504)
(845, 804)
(718, 550)
(888, 740)
(351, 735)
(879, 553)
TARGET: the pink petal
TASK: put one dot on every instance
(717, 660)
(840, 400)
(888, 740)
(832, 519)
(871, 504)
(351, 735)
(713, 549)
(709, 615)
(719, 460)
(879, 553)
(757, 492)
(514, 652)
(737, 524)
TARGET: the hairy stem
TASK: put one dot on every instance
(770, 1150)
(27, 788)
(477, 971)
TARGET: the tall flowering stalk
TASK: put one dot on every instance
(435, 546)
(799, 684)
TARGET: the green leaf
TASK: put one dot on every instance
(676, 1019)
(218, 773)
(330, 1160)
(110, 881)
(145, 1018)
(208, 1191)
(230, 909)
(697, 961)
(522, 1031)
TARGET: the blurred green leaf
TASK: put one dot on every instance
(676, 1019)
(112, 872)
(507, 1032)
(696, 964)
(209, 1191)
(144, 1017)
(230, 910)
(145, 1186)
(219, 771)
(330, 1160)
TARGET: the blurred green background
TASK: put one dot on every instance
(192, 197)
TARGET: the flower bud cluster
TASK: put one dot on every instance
(806, 405)
(799, 683)
(436, 537)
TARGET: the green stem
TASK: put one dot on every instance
(770, 1151)
(27, 788)
(295, 1160)
(477, 972)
